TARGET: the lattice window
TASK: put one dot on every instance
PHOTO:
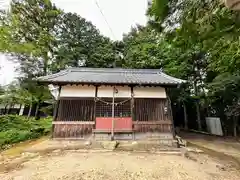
(76, 109)
(150, 109)
(122, 107)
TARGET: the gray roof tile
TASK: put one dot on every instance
(111, 76)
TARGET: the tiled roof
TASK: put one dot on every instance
(111, 76)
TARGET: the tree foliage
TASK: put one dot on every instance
(79, 43)
(202, 40)
(142, 48)
(196, 40)
(33, 22)
(43, 39)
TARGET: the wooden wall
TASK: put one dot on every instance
(72, 130)
(153, 126)
(150, 116)
(76, 116)
(76, 109)
(150, 109)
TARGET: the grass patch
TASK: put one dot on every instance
(14, 129)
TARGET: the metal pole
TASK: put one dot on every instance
(112, 130)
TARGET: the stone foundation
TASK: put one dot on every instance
(165, 139)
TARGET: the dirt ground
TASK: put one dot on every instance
(224, 145)
(117, 165)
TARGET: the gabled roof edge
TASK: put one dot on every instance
(51, 76)
(180, 81)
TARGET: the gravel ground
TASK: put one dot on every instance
(73, 165)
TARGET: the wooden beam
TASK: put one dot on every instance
(170, 115)
(70, 138)
(76, 98)
(56, 109)
(95, 106)
(57, 104)
(107, 84)
(109, 130)
(132, 104)
(152, 122)
(73, 122)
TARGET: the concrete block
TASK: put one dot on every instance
(110, 145)
(87, 143)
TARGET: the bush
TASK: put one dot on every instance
(15, 128)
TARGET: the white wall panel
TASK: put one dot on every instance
(149, 92)
(77, 91)
(107, 91)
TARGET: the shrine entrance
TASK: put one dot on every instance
(113, 115)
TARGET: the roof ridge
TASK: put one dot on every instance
(114, 70)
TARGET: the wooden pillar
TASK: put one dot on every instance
(132, 112)
(170, 115)
(132, 104)
(95, 106)
(55, 115)
(113, 113)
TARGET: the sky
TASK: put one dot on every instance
(121, 15)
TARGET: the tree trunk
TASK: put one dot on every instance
(36, 111)
(9, 109)
(29, 111)
(235, 125)
(198, 117)
(5, 109)
(185, 116)
(197, 106)
(20, 109)
(45, 63)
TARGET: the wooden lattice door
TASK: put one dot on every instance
(122, 115)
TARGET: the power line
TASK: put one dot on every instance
(105, 19)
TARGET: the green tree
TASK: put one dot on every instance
(1, 90)
(142, 48)
(8, 43)
(52, 40)
(204, 46)
(33, 22)
(28, 33)
(79, 43)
